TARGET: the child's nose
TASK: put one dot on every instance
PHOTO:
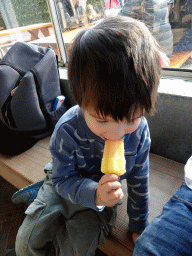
(121, 130)
(118, 132)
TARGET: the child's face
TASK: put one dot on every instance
(108, 128)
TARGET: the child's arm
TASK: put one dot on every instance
(65, 177)
(138, 186)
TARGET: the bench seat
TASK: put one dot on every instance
(32, 29)
(166, 176)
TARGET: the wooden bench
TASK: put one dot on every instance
(166, 176)
(32, 29)
(183, 50)
(68, 37)
(176, 60)
(179, 58)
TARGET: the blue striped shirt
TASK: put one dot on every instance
(77, 153)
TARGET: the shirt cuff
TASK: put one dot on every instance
(101, 208)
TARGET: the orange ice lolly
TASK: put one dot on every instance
(113, 157)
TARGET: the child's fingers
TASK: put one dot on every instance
(109, 190)
(115, 196)
(109, 195)
(112, 186)
(108, 178)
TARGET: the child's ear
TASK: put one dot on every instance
(164, 60)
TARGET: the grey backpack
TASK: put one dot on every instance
(29, 87)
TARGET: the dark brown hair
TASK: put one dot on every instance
(114, 67)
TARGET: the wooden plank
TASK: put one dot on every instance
(166, 166)
(68, 36)
(114, 248)
(28, 167)
(166, 176)
(13, 177)
(179, 58)
(45, 31)
(24, 28)
(44, 142)
(34, 34)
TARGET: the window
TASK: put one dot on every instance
(25, 20)
(170, 21)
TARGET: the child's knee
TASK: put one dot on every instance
(21, 243)
(23, 239)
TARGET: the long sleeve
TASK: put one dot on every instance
(138, 186)
(66, 178)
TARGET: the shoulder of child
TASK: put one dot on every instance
(142, 132)
(143, 124)
(69, 115)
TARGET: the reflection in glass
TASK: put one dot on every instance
(170, 22)
(155, 14)
(24, 20)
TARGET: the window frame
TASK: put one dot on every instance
(57, 31)
(185, 74)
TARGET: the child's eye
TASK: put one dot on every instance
(102, 121)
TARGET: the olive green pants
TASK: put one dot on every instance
(75, 230)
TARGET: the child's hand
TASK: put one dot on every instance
(134, 237)
(109, 191)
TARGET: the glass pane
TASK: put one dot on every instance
(170, 21)
(27, 21)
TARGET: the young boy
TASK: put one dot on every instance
(114, 72)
